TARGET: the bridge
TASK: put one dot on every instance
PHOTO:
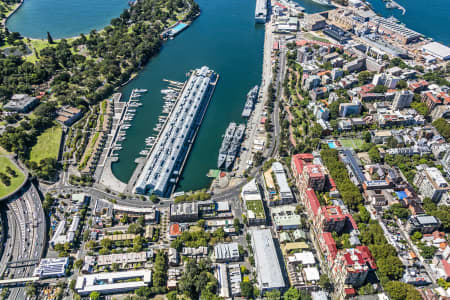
(22, 263)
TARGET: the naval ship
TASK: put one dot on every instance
(250, 103)
(323, 2)
(226, 143)
(235, 145)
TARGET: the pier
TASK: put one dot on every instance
(123, 114)
(164, 164)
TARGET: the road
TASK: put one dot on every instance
(26, 237)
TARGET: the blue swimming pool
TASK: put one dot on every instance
(401, 195)
(332, 145)
(179, 27)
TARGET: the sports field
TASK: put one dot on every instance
(351, 143)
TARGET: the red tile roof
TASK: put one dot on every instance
(330, 243)
(446, 266)
(350, 291)
(174, 229)
(313, 201)
(367, 256)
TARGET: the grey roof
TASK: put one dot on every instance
(266, 260)
(228, 251)
(167, 155)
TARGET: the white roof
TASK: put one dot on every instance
(437, 49)
(305, 257)
(266, 260)
(312, 274)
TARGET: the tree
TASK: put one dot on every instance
(72, 284)
(367, 137)
(246, 289)
(374, 154)
(427, 251)
(364, 77)
(135, 229)
(236, 224)
(115, 267)
(292, 294)
(391, 266)
(91, 245)
(172, 295)
(400, 291)
(154, 199)
(417, 236)
(30, 290)
(106, 243)
(78, 264)
(273, 295)
(325, 282)
(94, 296)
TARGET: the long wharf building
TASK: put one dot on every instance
(165, 162)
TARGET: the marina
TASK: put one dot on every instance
(164, 162)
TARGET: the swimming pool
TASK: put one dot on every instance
(178, 27)
(331, 144)
(401, 195)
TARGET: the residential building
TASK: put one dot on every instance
(285, 218)
(226, 252)
(68, 115)
(314, 22)
(347, 109)
(423, 224)
(430, 182)
(21, 103)
(268, 270)
(184, 212)
(251, 196)
(402, 99)
(352, 267)
(113, 282)
(284, 191)
(61, 235)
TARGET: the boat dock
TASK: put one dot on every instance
(123, 114)
(159, 172)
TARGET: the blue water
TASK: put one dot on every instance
(63, 18)
(430, 17)
(401, 195)
(331, 145)
(179, 27)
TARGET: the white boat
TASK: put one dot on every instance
(141, 90)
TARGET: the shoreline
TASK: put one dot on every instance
(19, 5)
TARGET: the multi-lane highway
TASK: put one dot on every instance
(26, 238)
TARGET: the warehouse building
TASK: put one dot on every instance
(269, 274)
(437, 50)
(113, 283)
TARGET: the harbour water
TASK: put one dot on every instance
(431, 18)
(230, 44)
(63, 18)
(224, 37)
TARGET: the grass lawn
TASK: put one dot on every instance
(351, 143)
(47, 144)
(257, 207)
(4, 152)
(315, 38)
(15, 181)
